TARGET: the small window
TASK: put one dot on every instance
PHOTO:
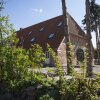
(30, 32)
(32, 40)
(47, 54)
(41, 29)
(59, 24)
(51, 36)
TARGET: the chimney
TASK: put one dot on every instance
(21, 29)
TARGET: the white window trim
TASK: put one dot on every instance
(47, 54)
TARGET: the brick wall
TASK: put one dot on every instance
(77, 42)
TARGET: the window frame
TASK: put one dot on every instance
(47, 54)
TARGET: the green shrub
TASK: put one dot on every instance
(46, 97)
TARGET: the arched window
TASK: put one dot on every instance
(80, 55)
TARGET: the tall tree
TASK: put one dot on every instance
(67, 37)
(1, 7)
(95, 23)
(89, 43)
(97, 28)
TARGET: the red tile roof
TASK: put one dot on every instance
(41, 32)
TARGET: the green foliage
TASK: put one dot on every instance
(82, 89)
(95, 19)
(57, 64)
(15, 62)
(37, 56)
(6, 28)
(70, 67)
(16, 71)
(60, 73)
(46, 97)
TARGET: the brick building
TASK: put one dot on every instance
(52, 32)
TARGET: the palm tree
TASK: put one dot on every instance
(67, 37)
(89, 43)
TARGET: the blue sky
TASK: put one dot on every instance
(24, 13)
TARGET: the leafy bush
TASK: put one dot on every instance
(37, 56)
(46, 97)
(16, 76)
(15, 62)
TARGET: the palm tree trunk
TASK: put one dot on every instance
(89, 42)
(67, 37)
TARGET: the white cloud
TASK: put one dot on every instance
(41, 10)
(37, 10)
